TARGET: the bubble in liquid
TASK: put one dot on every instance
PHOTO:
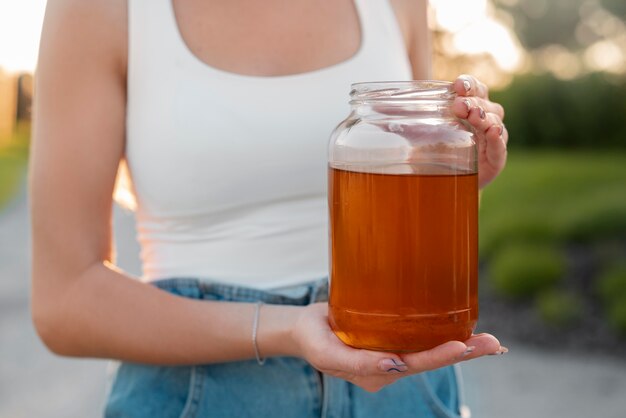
(396, 127)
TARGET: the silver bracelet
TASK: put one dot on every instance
(255, 328)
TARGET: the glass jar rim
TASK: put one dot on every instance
(402, 91)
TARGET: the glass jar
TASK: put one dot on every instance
(403, 203)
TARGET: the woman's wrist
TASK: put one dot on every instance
(274, 333)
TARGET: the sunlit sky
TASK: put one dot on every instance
(477, 31)
(20, 27)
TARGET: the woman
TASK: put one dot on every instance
(204, 100)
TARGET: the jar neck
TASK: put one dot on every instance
(403, 99)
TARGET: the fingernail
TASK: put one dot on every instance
(501, 350)
(467, 86)
(391, 365)
(501, 129)
(482, 112)
(469, 350)
(468, 104)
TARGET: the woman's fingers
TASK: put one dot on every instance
(473, 105)
(483, 344)
(435, 358)
(492, 150)
(496, 139)
(452, 352)
(467, 85)
(370, 370)
(483, 121)
(462, 106)
(487, 124)
(366, 363)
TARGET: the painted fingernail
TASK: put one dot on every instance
(468, 104)
(501, 350)
(391, 365)
(469, 350)
(482, 112)
(467, 86)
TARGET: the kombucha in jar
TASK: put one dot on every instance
(403, 205)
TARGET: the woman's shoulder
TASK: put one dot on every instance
(412, 18)
(79, 13)
(410, 15)
(100, 26)
(408, 9)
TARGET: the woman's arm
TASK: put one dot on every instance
(412, 16)
(81, 304)
(473, 104)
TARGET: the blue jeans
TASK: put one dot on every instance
(284, 387)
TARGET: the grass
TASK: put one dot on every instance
(522, 270)
(13, 159)
(555, 197)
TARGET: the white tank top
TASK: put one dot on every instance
(229, 170)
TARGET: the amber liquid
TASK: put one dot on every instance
(403, 259)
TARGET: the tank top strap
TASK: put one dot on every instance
(153, 37)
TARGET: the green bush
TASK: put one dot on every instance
(524, 226)
(521, 270)
(558, 308)
(599, 214)
(611, 284)
(617, 315)
(611, 288)
(543, 111)
(606, 223)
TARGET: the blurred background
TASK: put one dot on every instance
(552, 226)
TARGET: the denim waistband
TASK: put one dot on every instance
(304, 294)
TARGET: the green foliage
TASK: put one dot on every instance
(617, 316)
(541, 22)
(617, 7)
(558, 308)
(542, 111)
(544, 22)
(597, 223)
(611, 284)
(555, 197)
(611, 288)
(13, 157)
(521, 270)
(520, 225)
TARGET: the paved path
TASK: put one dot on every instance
(36, 384)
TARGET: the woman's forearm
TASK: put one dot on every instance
(106, 314)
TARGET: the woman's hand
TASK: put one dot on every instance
(486, 117)
(372, 370)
